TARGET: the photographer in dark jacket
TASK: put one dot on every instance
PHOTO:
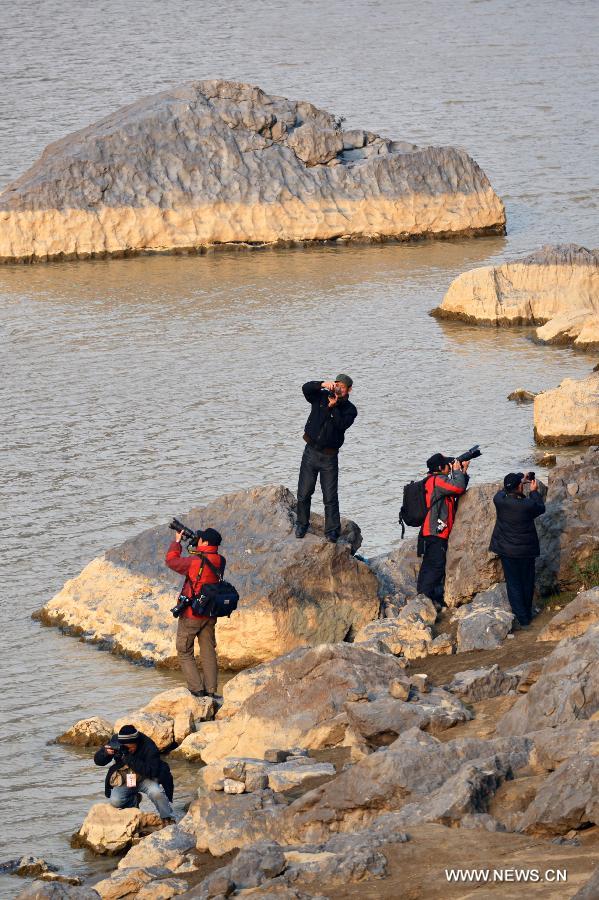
(331, 415)
(515, 540)
(136, 767)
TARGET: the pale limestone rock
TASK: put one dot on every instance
(158, 848)
(90, 732)
(301, 703)
(183, 726)
(485, 622)
(409, 632)
(107, 830)
(163, 889)
(473, 685)
(292, 592)
(556, 287)
(233, 787)
(218, 162)
(179, 700)
(575, 618)
(192, 746)
(127, 882)
(569, 414)
(154, 725)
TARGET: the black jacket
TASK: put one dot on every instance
(145, 762)
(515, 534)
(326, 427)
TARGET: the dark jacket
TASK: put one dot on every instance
(515, 534)
(195, 573)
(442, 493)
(326, 427)
(145, 762)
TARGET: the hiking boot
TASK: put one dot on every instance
(218, 698)
(167, 822)
(332, 537)
(199, 694)
(300, 531)
(138, 799)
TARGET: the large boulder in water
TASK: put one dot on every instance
(569, 414)
(292, 592)
(556, 287)
(220, 162)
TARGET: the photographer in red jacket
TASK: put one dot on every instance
(446, 482)
(190, 626)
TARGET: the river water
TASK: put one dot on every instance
(132, 390)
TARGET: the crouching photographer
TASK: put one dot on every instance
(136, 769)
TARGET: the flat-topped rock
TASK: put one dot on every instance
(556, 287)
(221, 162)
(568, 414)
(292, 592)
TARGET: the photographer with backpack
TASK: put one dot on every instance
(203, 566)
(446, 481)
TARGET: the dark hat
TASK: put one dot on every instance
(512, 480)
(211, 536)
(437, 461)
(345, 379)
(128, 734)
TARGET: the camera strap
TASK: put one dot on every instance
(215, 571)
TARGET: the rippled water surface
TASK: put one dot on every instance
(132, 390)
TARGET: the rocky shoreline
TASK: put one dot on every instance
(499, 751)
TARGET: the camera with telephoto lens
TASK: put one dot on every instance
(473, 453)
(180, 606)
(191, 537)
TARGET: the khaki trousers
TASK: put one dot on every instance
(204, 630)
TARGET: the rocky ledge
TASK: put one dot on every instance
(293, 592)
(220, 162)
(569, 414)
(556, 288)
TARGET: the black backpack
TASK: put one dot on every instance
(218, 599)
(413, 508)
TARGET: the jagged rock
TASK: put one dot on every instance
(156, 726)
(575, 618)
(520, 395)
(217, 162)
(567, 799)
(473, 685)
(179, 701)
(26, 867)
(42, 890)
(124, 883)
(566, 690)
(276, 756)
(161, 846)
(526, 674)
(292, 592)
(484, 623)
(409, 633)
(290, 775)
(223, 822)
(321, 676)
(552, 746)
(92, 732)
(257, 863)
(397, 572)
(107, 830)
(569, 414)
(60, 878)
(512, 798)
(399, 688)
(230, 786)
(382, 720)
(257, 774)
(163, 889)
(556, 287)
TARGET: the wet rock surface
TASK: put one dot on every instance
(292, 592)
(218, 162)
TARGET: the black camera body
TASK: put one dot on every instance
(180, 606)
(329, 393)
(191, 537)
(119, 751)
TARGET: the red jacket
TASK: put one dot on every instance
(191, 566)
(441, 499)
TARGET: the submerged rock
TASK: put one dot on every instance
(556, 287)
(90, 732)
(292, 592)
(221, 162)
(569, 414)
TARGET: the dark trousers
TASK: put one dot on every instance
(520, 582)
(431, 578)
(315, 463)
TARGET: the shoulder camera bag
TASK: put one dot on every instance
(217, 599)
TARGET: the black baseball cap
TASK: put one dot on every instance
(211, 536)
(437, 461)
(512, 480)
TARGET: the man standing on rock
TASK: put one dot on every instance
(446, 482)
(190, 626)
(136, 769)
(331, 415)
(515, 540)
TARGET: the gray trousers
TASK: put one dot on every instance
(204, 630)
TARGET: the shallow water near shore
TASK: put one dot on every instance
(135, 389)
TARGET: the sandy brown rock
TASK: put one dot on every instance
(569, 414)
(556, 287)
(409, 633)
(90, 732)
(107, 830)
(292, 592)
(300, 703)
(575, 618)
(567, 799)
(219, 162)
